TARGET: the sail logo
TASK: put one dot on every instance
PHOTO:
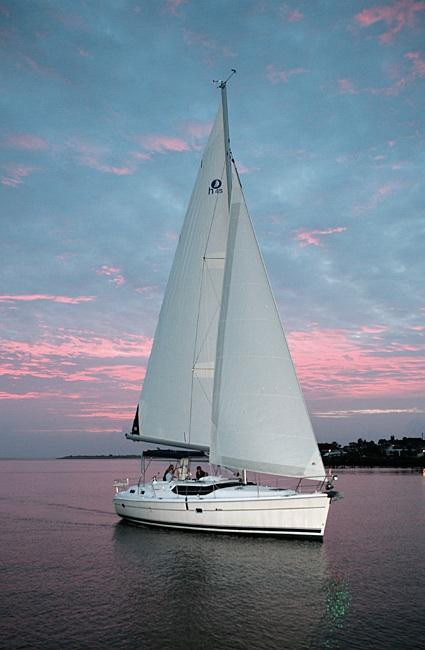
(215, 187)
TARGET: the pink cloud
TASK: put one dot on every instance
(43, 70)
(373, 329)
(93, 155)
(68, 300)
(48, 369)
(141, 155)
(347, 86)
(338, 363)
(39, 395)
(95, 163)
(86, 344)
(197, 129)
(396, 16)
(26, 141)
(161, 143)
(377, 411)
(379, 195)
(243, 169)
(294, 16)
(403, 77)
(148, 290)
(74, 357)
(274, 75)
(113, 273)
(417, 62)
(15, 174)
(311, 237)
(197, 132)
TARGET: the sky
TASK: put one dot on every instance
(105, 108)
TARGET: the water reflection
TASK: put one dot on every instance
(253, 592)
(337, 606)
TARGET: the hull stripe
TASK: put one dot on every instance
(229, 529)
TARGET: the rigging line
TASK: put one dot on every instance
(199, 304)
(237, 173)
(207, 397)
(205, 266)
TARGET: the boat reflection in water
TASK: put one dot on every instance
(196, 590)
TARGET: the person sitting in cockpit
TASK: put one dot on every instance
(200, 473)
(169, 473)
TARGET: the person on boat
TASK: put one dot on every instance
(169, 473)
(200, 473)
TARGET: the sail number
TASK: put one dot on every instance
(215, 187)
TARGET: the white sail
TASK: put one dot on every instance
(260, 421)
(176, 401)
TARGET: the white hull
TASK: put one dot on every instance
(236, 509)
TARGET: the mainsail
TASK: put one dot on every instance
(175, 405)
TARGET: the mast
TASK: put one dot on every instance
(222, 85)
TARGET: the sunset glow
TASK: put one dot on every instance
(100, 145)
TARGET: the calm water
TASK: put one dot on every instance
(72, 576)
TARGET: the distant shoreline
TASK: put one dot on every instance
(98, 457)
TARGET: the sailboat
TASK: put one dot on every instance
(220, 379)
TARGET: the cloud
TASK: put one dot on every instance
(417, 62)
(274, 75)
(67, 300)
(95, 163)
(197, 130)
(289, 14)
(48, 395)
(347, 86)
(113, 273)
(378, 196)
(294, 16)
(15, 173)
(348, 413)
(141, 155)
(27, 142)
(99, 376)
(344, 363)
(311, 237)
(161, 143)
(73, 356)
(41, 70)
(93, 155)
(396, 16)
(405, 77)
